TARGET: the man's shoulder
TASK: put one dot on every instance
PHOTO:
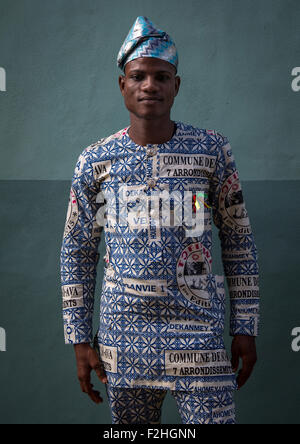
(212, 135)
(104, 141)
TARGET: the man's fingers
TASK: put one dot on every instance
(242, 377)
(235, 363)
(235, 359)
(84, 384)
(94, 395)
(245, 372)
(87, 387)
(99, 369)
(243, 347)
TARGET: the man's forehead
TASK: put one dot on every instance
(149, 64)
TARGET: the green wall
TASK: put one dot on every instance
(235, 61)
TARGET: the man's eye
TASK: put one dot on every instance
(136, 77)
(163, 78)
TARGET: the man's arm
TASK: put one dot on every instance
(79, 258)
(240, 259)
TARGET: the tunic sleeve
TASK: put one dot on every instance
(239, 251)
(79, 254)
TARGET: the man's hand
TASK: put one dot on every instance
(243, 347)
(87, 360)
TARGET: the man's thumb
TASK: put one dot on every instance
(234, 360)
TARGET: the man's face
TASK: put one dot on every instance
(149, 87)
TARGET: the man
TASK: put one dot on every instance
(162, 307)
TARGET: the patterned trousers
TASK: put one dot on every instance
(143, 406)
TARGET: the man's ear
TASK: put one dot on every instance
(122, 83)
(177, 84)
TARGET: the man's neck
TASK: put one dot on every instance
(144, 132)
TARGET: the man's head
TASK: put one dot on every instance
(149, 87)
(149, 60)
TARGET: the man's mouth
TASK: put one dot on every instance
(150, 99)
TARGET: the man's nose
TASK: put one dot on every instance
(149, 84)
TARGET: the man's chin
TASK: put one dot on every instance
(149, 115)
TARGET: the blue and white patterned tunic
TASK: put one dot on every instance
(162, 307)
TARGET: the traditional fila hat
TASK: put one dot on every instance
(145, 40)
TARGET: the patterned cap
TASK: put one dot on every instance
(145, 40)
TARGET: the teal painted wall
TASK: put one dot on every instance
(235, 60)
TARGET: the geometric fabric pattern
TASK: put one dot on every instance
(143, 406)
(162, 307)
